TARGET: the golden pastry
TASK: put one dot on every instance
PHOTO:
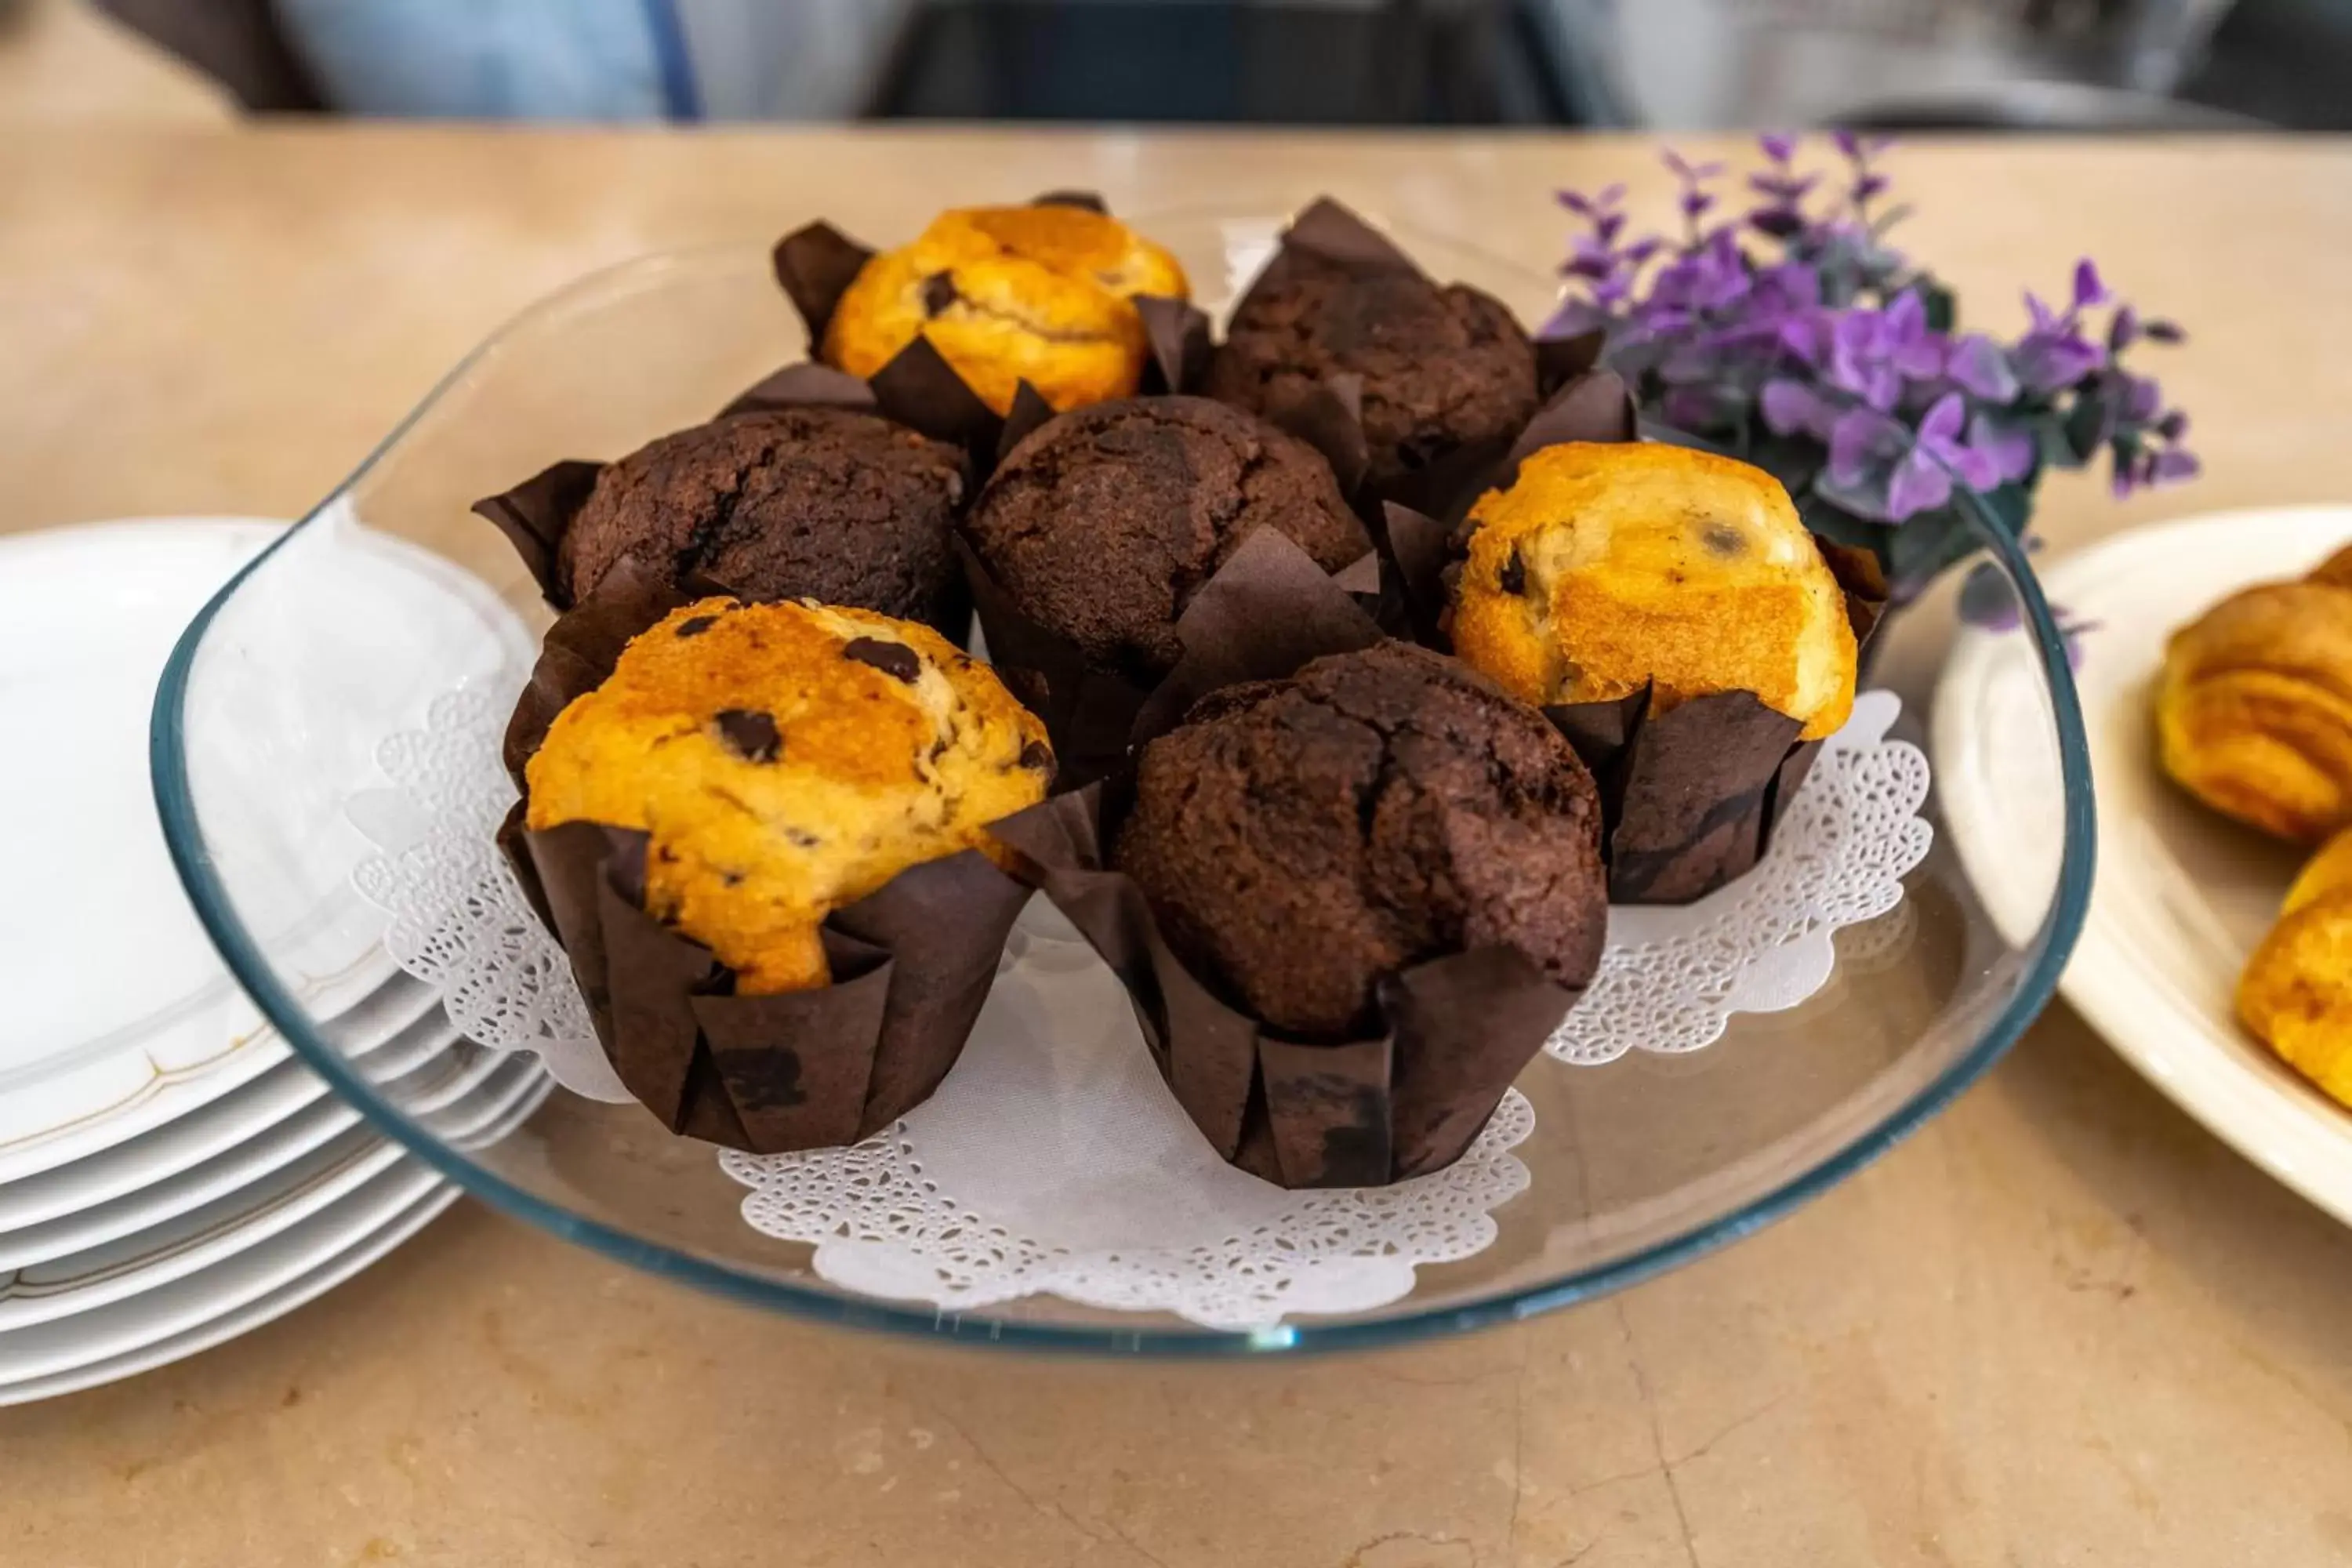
(785, 760)
(2296, 992)
(2254, 714)
(1041, 294)
(1605, 566)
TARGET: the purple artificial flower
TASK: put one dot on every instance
(1792, 409)
(1807, 325)
(1975, 364)
(2088, 289)
(1919, 484)
(1592, 207)
(2011, 447)
(2054, 358)
(1940, 439)
(1689, 172)
(1863, 445)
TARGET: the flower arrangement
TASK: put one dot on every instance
(1796, 337)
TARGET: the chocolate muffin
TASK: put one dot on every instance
(798, 503)
(1100, 525)
(1298, 840)
(1442, 366)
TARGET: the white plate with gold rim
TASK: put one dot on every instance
(121, 1016)
(202, 1333)
(331, 1240)
(409, 1064)
(392, 1032)
(2182, 895)
(479, 1085)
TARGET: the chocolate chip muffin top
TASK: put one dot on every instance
(820, 503)
(1442, 366)
(1101, 524)
(1300, 839)
(785, 760)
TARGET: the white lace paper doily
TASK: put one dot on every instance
(1673, 976)
(1054, 1159)
(459, 922)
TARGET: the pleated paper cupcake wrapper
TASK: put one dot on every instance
(1327, 234)
(815, 265)
(1689, 795)
(912, 962)
(1406, 1100)
(536, 515)
(1259, 616)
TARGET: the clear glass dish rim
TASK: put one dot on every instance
(167, 758)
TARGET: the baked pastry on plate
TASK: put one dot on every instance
(2254, 714)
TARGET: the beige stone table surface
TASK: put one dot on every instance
(2062, 1325)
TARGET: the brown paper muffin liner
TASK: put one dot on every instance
(1263, 613)
(1326, 235)
(912, 963)
(815, 265)
(1690, 797)
(536, 514)
(1401, 1102)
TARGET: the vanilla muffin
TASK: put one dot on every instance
(1608, 566)
(1042, 294)
(785, 760)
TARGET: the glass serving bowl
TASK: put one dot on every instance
(266, 731)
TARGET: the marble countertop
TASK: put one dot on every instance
(2060, 1325)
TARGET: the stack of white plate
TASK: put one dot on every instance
(169, 1175)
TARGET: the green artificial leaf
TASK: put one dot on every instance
(1943, 309)
(2011, 506)
(2081, 432)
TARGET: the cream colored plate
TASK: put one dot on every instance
(2182, 895)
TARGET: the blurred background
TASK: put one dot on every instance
(2025, 64)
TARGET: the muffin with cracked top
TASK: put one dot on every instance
(1442, 366)
(831, 504)
(1101, 524)
(1300, 840)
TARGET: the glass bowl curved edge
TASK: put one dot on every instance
(2053, 942)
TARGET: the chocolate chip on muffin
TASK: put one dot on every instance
(818, 503)
(1442, 367)
(1100, 526)
(784, 761)
(1299, 840)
